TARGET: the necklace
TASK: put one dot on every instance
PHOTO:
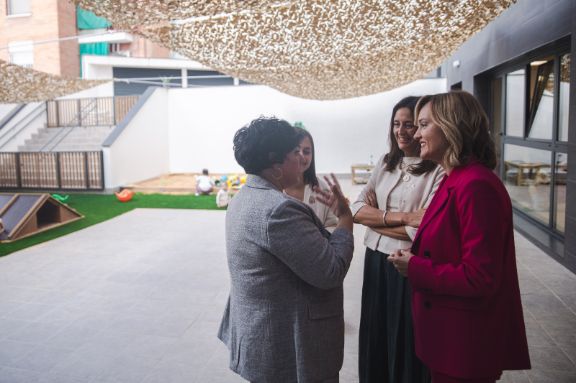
(406, 177)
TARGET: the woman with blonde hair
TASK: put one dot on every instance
(466, 307)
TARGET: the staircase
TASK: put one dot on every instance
(65, 139)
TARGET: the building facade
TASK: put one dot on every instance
(31, 33)
(520, 68)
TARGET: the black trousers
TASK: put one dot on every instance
(386, 350)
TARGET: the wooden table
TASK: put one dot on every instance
(521, 166)
(363, 167)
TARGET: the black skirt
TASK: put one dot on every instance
(386, 352)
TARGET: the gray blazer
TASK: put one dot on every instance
(284, 318)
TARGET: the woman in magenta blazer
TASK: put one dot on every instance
(466, 306)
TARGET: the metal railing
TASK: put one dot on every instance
(52, 170)
(99, 111)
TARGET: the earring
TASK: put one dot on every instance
(275, 176)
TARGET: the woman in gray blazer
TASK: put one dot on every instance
(284, 318)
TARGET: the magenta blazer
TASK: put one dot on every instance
(468, 319)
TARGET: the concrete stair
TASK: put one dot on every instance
(66, 139)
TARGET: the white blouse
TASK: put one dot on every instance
(327, 217)
(398, 190)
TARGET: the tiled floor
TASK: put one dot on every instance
(139, 299)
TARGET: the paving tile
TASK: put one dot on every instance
(42, 358)
(545, 376)
(7, 307)
(9, 326)
(545, 305)
(514, 377)
(11, 352)
(550, 359)
(62, 378)
(35, 332)
(27, 311)
(146, 308)
(15, 375)
(172, 372)
(536, 335)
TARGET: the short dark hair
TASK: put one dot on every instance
(393, 157)
(263, 142)
(205, 172)
(310, 177)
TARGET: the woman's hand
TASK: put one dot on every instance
(370, 199)
(333, 198)
(413, 218)
(401, 259)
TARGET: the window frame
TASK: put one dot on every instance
(553, 145)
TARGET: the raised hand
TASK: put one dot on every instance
(333, 197)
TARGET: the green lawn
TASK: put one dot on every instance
(97, 208)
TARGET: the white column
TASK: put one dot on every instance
(184, 78)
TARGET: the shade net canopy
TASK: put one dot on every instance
(317, 49)
(21, 85)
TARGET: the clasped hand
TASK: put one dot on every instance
(400, 259)
(412, 218)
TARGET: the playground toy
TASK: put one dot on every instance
(23, 214)
(60, 198)
(125, 195)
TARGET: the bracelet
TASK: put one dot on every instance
(384, 217)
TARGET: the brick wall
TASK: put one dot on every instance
(49, 20)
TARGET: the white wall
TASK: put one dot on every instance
(28, 121)
(203, 122)
(141, 151)
(5, 109)
(104, 90)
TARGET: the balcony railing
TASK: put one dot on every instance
(52, 170)
(101, 111)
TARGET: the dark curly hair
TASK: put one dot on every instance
(263, 142)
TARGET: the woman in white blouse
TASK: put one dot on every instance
(304, 189)
(391, 207)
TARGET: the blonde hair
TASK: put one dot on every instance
(465, 125)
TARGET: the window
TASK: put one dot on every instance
(530, 103)
(527, 178)
(21, 53)
(564, 102)
(17, 7)
(559, 179)
(541, 107)
(515, 103)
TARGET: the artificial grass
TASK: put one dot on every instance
(97, 208)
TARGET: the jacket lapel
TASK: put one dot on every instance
(436, 206)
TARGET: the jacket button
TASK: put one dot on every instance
(427, 304)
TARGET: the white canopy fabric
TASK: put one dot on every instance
(317, 49)
(20, 85)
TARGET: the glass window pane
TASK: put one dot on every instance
(515, 103)
(17, 7)
(560, 191)
(564, 97)
(496, 118)
(527, 177)
(541, 108)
